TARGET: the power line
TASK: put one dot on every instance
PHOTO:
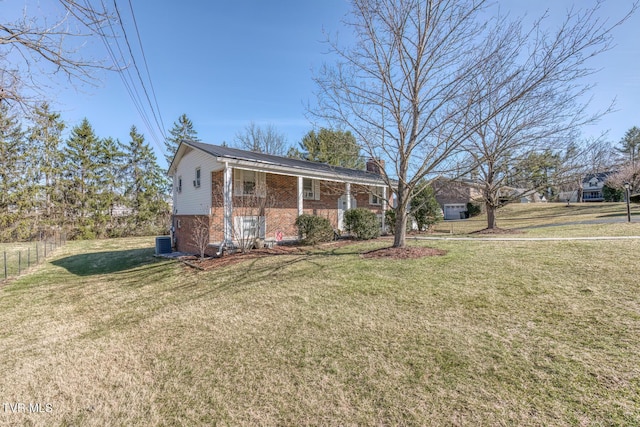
(146, 66)
(135, 66)
(130, 83)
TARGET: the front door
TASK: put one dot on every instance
(342, 206)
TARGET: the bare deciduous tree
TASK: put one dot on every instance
(32, 48)
(629, 172)
(520, 135)
(262, 140)
(410, 85)
(200, 233)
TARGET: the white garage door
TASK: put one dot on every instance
(453, 211)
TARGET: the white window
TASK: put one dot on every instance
(196, 182)
(376, 195)
(247, 183)
(179, 185)
(310, 189)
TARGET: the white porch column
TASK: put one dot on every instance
(300, 196)
(228, 204)
(348, 194)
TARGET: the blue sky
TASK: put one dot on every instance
(227, 63)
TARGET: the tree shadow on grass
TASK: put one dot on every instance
(105, 262)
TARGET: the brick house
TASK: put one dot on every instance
(454, 194)
(237, 194)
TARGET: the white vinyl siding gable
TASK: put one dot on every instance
(192, 200)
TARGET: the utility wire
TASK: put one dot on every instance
(135, 66)
(146, 66)
(129, 83)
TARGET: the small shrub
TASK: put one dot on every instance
(424, 207)
(362, 223)
(390, 221)
(314, 229)
(611, 194)
(473, 209)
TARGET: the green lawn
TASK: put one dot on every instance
(555, 220)
(493, 333)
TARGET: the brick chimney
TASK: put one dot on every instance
(375, 166)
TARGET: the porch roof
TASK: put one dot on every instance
(286, 165)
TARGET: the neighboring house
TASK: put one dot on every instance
(592, 185)
(241, 193)
(522, 195)
(454, 194)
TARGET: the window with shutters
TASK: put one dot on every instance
(196, 182)
(249, 228)
(310, 189)
(376, 195)
(249, 183)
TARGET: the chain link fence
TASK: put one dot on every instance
(16, 258)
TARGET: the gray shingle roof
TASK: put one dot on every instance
(284, 162)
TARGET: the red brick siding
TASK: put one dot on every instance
(281, 208)
(184, 226)
(216, 231)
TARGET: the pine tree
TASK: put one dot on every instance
(182, 130)
(146, 182)
(12, 171)
(45, 136)
(333, 147)
(81, 170)
(630, 146)
(110, 185)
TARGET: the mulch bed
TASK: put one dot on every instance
(293, 249)
(411, 252)
(234, 258)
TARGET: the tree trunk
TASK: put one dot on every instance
(491, 216)
(400, 232)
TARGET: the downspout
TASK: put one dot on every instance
(227, 208)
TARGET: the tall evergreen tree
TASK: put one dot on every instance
(182, 130)
(630, 146)
(109, 184)
(12, 170)
(45, 137)
(144, 189)
(81, 175)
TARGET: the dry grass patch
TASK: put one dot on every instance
(554, 220)
(509, 333)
